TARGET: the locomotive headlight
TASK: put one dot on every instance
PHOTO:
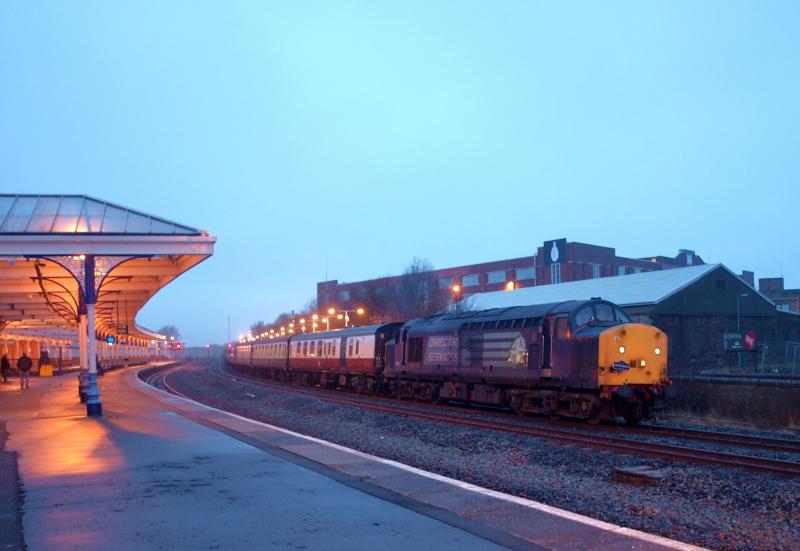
(658, 351)
(642, 363)
(621, 349)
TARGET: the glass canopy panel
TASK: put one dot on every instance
(91, 219)
(67, 219)
(159, 226)
(184, 230)
(5, 206)
(44, 215)
(17, 219)
(137, 223)
(114, 220)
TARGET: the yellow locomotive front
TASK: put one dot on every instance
(632, 368)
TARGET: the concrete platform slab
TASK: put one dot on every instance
(160, 472)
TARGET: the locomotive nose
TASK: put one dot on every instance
(632, 353)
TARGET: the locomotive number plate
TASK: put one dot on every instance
(619, 367)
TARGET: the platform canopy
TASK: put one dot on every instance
(44, 240)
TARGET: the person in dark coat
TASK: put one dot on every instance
(24, 364)
(5, 367)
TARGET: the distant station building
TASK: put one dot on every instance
(696, 306)
(556, 261)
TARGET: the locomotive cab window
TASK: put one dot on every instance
(584, 316)
(605, 312)
(415, 349)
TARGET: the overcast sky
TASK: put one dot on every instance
(366, 133)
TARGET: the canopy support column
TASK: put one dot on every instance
(94, 407)
(83, 373)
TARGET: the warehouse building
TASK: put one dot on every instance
(697, 307)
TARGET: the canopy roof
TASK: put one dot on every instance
(626, 290)
(43, 239)
(55, 214)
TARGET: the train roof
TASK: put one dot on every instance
(454, 320)
(349, 332)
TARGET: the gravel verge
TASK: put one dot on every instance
(717, 508)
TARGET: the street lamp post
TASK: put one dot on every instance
(738, 328)
(456, 293)
(346, 313)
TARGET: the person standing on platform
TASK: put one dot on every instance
(24, 365)
(5, 367)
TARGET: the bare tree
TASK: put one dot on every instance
(258, 328)
(171, 332)
(311, 306)
(417, 292)
(282, 319)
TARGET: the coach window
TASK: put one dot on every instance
(357, 341)
(319, 348)
(350, 348)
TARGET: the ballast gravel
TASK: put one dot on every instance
(714, 507)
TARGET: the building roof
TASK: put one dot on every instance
(627, 290)
(71, 214)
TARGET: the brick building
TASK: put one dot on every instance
(556, 261)
(786, 300)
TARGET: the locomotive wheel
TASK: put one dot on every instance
(594, 418)
(632, 419)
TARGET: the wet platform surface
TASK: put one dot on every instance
(158, 472)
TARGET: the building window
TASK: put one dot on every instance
(445, 282)
(471, 280)
(526, 273)
(555, 273)
(595, 271)
(637, 270)
(498, 276)
(621, 270)
(782, 307)
(344, 295)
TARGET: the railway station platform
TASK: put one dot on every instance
(159, 472)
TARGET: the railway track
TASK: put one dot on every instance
(729, 439)
(601, 440)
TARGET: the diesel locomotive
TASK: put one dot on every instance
(581, 358)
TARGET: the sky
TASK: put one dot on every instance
(358, 135)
